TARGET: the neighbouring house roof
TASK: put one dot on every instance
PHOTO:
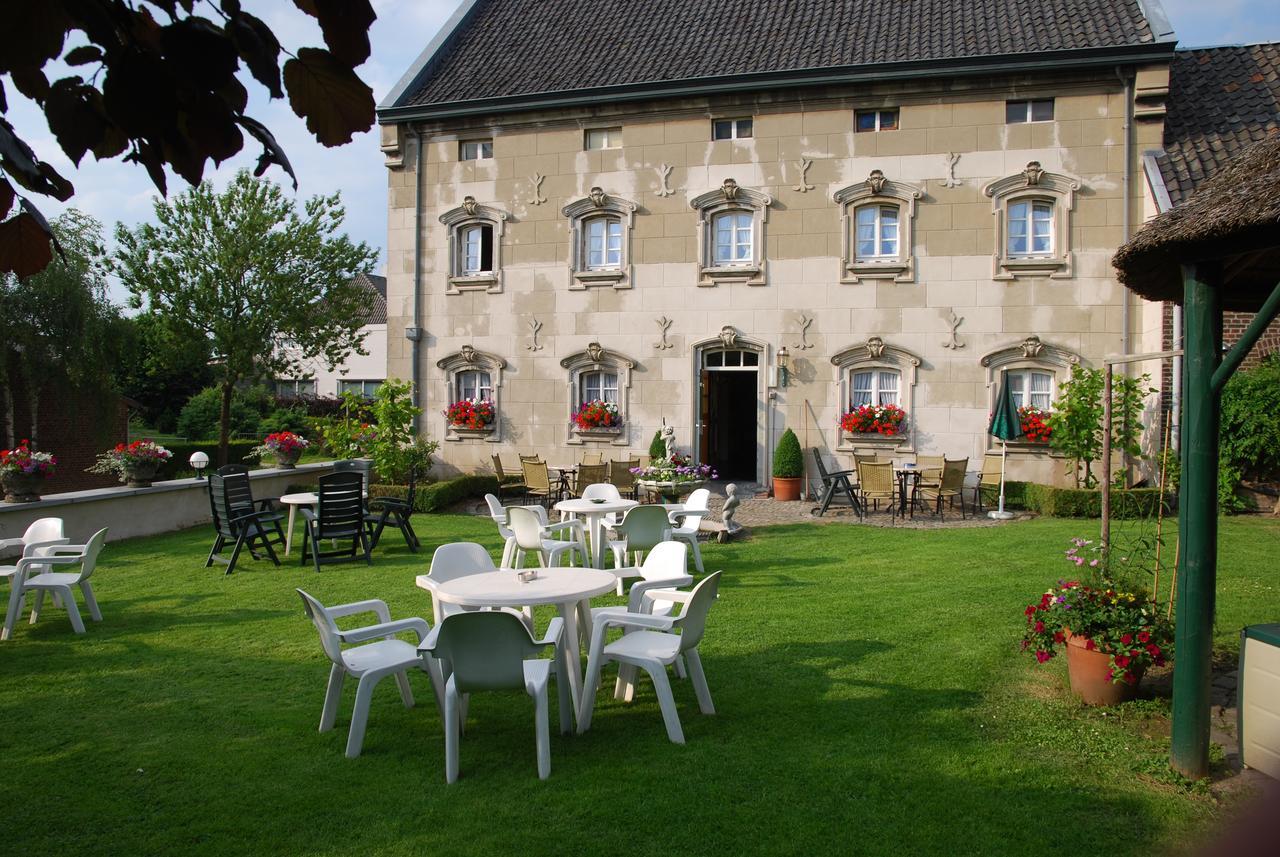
(1233, 217)
(528, 54)
(376, 305)
(1221, 101)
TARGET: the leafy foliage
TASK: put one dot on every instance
(198, 419)
(161, 372)
(1076, 427)
(394, 451)
(657, 449)
(164, 88)
(788, 460)
(1249, 444)
(244, 271)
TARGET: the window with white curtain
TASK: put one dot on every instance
(598, 386)
(476, 250)
(604, 244)
(1030, 228)
(875, 387)
(474, 384)
(1030, 387)
(734, 238)
(877, 232)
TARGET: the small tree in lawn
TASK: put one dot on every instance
(266, 286)
(1076, 422)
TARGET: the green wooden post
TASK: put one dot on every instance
(1197, 519)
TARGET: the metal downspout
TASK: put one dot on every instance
(1126, 215)
(415, 336)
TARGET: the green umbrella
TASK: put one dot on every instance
(1006, 425)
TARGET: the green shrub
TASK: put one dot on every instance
(1249, 442)
(1083, 503)
(440, 495)
(178, 468)
(292, 419)
(657, 449)
(199, 417)
(788, 460)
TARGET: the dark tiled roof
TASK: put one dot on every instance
(1221, 100)
(525, 47)
(376, 286)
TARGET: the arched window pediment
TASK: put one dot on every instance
(603, 258)
(1032, 240)
(878, 190)
(731, 236)
(466, 246)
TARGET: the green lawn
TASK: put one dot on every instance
(870, 693)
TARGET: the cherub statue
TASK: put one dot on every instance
(669, 440)
(731, 503)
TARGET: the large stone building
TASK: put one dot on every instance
(649, 203)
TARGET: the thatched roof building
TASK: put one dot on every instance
(1233, 217)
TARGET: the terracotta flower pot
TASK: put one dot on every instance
(22, 487)
(786, 487)
(1089, 671)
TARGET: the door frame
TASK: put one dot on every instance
(730, 340)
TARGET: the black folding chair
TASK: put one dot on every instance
(236, 519)
(834, 482)
(340, 517)
(394, 511)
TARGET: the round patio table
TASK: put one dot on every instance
(905, 472)
(594, 512)
(563, 586)
(293, 501)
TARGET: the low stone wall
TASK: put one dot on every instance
(131, 512)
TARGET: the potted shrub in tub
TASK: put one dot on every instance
(788, 467)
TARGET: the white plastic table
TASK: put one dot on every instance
(594, 512)
(293, 501)
(565, 587)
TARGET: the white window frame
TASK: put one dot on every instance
(477, 382)
(1028, 110)
(594, 206)
(878, 392)
(610, 138)
(731, 198)
(879, 114)
(1032, 185)
(454, 366)
(1031, 355)
(876, 356)
(1023, 392)
(735, 128)
(878, 254)
(345, 385)
(597, 359)
(458, 221)
(738, 239)
(878, 190)
(1027, 223)
(465, 244)
(605, 382)
(475, 150)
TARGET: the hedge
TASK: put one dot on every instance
(1082, 503)
(440, 495)
(177, 467)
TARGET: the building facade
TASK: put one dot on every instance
(359, 373)
(736, 254)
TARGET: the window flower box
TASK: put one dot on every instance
(1035, 424)
(597, 419)
(879, 420)
(471, 418)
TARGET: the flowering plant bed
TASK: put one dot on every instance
(1118, 622)
(470, 414)
(597, 414)
(884, 420)
(285, 446)
(135, 463)
(1035, 424)
(22, 471)
(677, 468)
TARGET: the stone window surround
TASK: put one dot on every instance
(878, 190)
(471, 213)
(1030, 353)
(875, 353)
(468, 359)
(1033, 183)
(596, 358)
(730, 197)
(598, 204)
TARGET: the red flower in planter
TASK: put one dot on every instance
(470, 413)
(597, 414)
(1035, 424)
(885, 420)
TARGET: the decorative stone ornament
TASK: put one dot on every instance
(728, 336)
(729, 189)
(804, 186)
(876, 181)
(1031, 347)
(804, 344)
(537, 179)
(470, 206)
(664, 178)
(598, 197)
(596, 352)
(1033, 173)
(664, 324)
(875, 347)
(468, 354)
(953, 158)
(536, 327)
(953, 321)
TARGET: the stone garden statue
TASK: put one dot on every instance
(729, 527)
(669, 440)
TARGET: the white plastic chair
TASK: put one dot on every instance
(686, 522)
(533, 534)
(498, 513)
(496, 651)
(664, 567)
(651, 643)
(454, 560)
(41, 535)
(604, 491)
(59, 583)
(369, 663)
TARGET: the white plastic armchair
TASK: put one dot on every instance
(534, 534)
(664, 567)
(454, 560)
(686, 522)
(381, 654)
(41, 535)
(59, 583)
(652, 643)
(495, 651)
(604, 491)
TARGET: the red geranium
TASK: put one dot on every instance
(1035, 424)
(470, 413)
(884, 420)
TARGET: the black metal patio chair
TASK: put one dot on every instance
(238, 520)
(340, 518)
(833, 483)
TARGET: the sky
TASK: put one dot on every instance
(114, 191)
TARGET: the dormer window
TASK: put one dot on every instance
(603, 138)
(475, 246)
(731, 234)
(732, 129)
(600, 240)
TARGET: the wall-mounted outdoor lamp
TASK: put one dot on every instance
(784, 367)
